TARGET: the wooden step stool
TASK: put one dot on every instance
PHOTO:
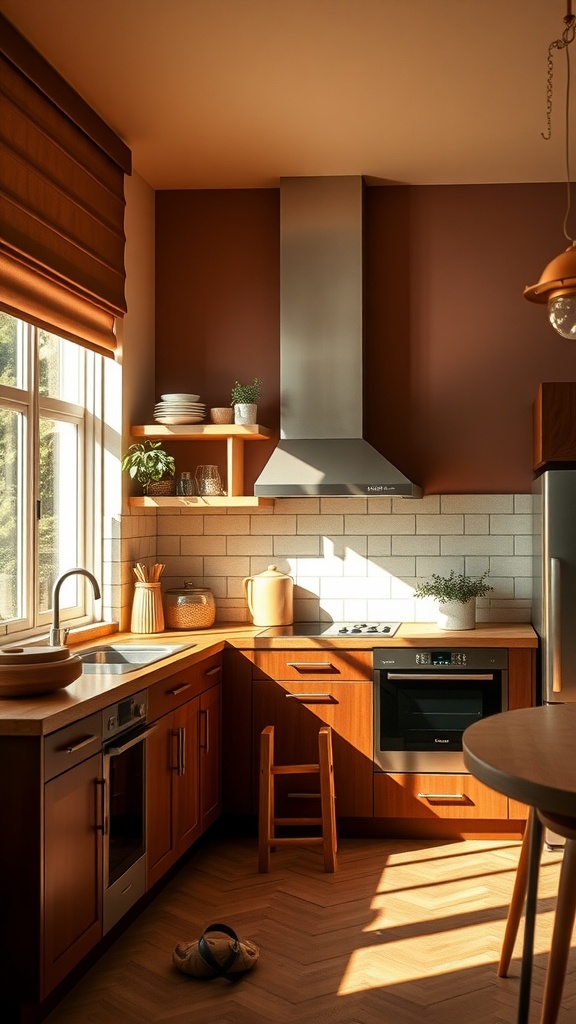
(267, 822)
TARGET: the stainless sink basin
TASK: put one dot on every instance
(118, 658)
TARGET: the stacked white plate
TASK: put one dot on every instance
(179, 408)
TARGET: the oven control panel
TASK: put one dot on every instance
(124, 714)
(441, 658)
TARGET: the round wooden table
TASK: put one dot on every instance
(530, 756)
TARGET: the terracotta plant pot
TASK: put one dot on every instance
(222, 414)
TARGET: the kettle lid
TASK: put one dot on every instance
(272, 573)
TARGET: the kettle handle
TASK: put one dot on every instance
(248, 588)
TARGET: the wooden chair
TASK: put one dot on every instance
(564, 917)
(267, 822)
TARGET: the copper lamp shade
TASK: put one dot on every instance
(557, 287)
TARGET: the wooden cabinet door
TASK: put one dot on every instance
(72, 868)
(161, 756)
(185, 778)
(210, 755)
(297, 710)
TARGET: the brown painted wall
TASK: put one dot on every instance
(454, 353)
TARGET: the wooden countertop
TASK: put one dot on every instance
(37, 716)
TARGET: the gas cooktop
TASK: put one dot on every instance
(343, 629)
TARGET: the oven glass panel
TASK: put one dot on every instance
(422, 710)
(126, 811)
(432, 716)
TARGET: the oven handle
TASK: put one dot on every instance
(431, 676)
(115, 751)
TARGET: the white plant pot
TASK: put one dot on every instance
(457, 614)
(245, 412)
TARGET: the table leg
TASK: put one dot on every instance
(534, 852)
(561, 936)
(516, 905)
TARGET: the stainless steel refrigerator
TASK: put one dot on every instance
(554, 586)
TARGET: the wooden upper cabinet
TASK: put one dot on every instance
(555, 424)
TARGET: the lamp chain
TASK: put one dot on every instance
(563, 43)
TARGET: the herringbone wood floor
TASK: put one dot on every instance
(405, 931)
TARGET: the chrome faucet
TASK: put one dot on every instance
(58, 636)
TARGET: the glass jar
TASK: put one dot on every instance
(208, 481)
(189, 607)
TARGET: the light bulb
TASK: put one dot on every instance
(562, 315)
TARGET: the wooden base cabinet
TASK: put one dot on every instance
(182, 763)
(299, 691)
(435, 796)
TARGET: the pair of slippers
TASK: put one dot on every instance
(218, 953)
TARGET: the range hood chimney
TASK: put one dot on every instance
(321, 449)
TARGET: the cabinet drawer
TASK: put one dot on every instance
(71, 745)
(170, 693)
(313, 664)
(435, 796)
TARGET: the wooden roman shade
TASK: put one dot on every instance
(61, 202)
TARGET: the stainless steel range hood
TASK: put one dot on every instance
(321, 448)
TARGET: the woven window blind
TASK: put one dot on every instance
(61, 202)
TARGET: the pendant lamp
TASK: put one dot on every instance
(557, 284)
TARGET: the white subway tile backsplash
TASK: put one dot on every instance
(203, 545)
(477, 524)
(372, 524)
(296, 546)
(475, 503)
(441, 524)
(273, 524)
(350, 557)
(324, 525)
(250, 545)
(477, 545)
(511, 524)
(227, 525)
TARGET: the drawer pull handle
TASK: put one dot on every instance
(317, 698)
(213, 671)
(178, 689)
(443, 796)
(78, 745)
(309, 664)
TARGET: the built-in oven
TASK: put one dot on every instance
(124, 732)
(424, 699)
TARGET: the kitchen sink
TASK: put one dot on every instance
(118, 658)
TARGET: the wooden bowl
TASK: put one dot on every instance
(27, 680)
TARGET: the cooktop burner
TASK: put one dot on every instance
(343, 629)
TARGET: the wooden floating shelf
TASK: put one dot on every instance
(203, 432)
(199, 503)
(235, 435)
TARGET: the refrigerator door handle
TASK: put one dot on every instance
(555, 634)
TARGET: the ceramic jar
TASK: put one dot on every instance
(270, 597)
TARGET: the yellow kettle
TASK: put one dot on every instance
(270, 597)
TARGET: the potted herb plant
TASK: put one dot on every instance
(456, 596)
(244, 399)
(151, 466)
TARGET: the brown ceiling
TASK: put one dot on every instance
(236, 93)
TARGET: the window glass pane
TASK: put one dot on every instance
(11, 351)
(59, 365)
(12, 498)
(58, 543)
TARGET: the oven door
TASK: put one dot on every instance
(124, 822)
(419, 716)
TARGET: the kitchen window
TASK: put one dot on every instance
(50, 419)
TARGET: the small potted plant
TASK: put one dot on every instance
(456, 596)
(244, 399)
(151, 466)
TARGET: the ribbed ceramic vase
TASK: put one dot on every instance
(457, 614)
(147, 609)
